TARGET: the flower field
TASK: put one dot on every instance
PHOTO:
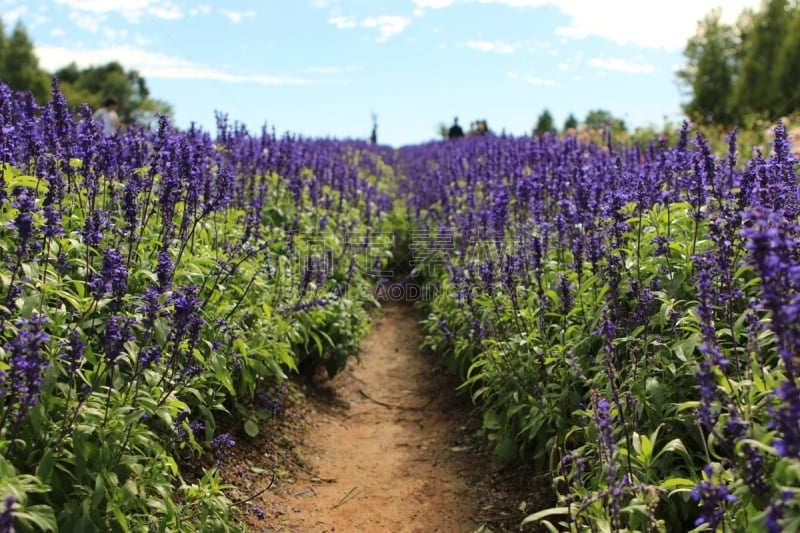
(628, 319)
(626, 316)
(150, 283)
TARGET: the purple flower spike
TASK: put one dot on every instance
(713, 498)
(27, 363)
(7, 516)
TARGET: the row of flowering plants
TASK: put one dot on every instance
(150, 282)
(628, 319)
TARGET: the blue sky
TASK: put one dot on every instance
(322, 67)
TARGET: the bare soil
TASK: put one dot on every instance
(386, 446)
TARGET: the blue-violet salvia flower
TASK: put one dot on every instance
(27, 362)
(7, 516)
(712, 498)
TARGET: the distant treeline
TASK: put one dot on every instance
(735, 74)
(750, 69)
(595, 120)
(19, 68)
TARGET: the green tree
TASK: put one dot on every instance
(94, 84)
(19, 69)
(19, 66)
(75, 95)
(3, 40)
(571, 123)
(788, 67)
(544, 124)
(757, 86)
(710, 70)
(600, 118)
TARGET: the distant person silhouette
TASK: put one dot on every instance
(108, 117)
(483, 128)
(455, 130)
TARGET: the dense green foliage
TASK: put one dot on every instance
(92, 85)
(19, 66)
(544, 123)
(570, 123)
(710, 72)
(734, 73)
(143, 296)
(598, 119)
(627, 319)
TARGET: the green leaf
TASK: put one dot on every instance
(647, 447)
(26, 181)
(677, 482)
(99, 490)
(122, 521)
(172, 465)
(506, 451)
(251, 428)
(491, 421)
(42, 516)
(675, 445)
(44, 470)
(545, 513)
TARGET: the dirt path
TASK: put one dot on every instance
(384, 431)
(386, 446)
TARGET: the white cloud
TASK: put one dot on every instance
(619, 64)
(203, 9)
(539, 81)
(661, 25)
(57, 32)
(112, 33)
(342, 22)
(388, 25)
(498, 47)
(38, 20)
(130, 9)
(167, 11)
(237, 16)
(11, 17)
(87, 22)
(563, 67)
(519, 3)
(105, 6)
(422, 5)
(433, 4)
(154, 65)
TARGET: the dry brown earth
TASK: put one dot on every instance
(386, 446)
